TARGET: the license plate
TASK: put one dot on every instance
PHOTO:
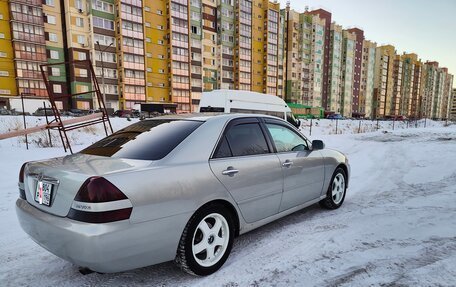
(43, 193)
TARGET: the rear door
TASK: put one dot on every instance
(244, 163)
(303, 169)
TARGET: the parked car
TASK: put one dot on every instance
(77, 112)
(127, 113)
(5, 112)
(43, 112)
(335, 117)
(175, 188)
(122, 113)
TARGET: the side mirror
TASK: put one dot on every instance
(317, 145)
(298, 123)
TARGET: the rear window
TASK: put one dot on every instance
(145, 140)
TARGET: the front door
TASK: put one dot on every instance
(303, 169)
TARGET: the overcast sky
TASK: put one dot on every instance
(424, 27)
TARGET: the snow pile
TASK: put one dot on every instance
(397, 226)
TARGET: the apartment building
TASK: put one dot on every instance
(359, 40)
(209, 45)
(325, 16)
(452, 112)
(8, 88)
(366, 89)
(397, 86)
(446, 96)
(409, 104)
(348, 68)
(29, 45)
(383, 81)
(155, 15)
(335, 71)
(282, 56)
(226, 23)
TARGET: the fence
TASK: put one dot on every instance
(353, 126)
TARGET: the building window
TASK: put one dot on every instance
(78, 4)
(159, 12)
(81, 39)
(79, 22)
(103, 6)
(57, 88)
(49, 2)
(55, 71)
(54, 54)
(82, 56)
(50, 19)
(52, 37)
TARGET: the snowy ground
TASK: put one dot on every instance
(397, 226)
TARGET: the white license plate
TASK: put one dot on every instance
(43, 193)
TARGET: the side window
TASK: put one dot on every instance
(285, 139)
(246, 139)
(223, 149)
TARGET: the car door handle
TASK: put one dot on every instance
(230, 171)
(287, 163)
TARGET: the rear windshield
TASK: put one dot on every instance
(145, 140)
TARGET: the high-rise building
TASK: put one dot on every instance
(29, 44)
(325, 65)
(411, 85)
(8, 88)
(196, 49)
(383, 81)
(243, 51)
(446, 96)
(356, 105)
(305, 58)
(452, 112)
(156, 51)
(226, 24)
(397, 86)
(103, 44)
(335, 69)
(348, 69)
(436, 91)
(366, 92)
(209, 45)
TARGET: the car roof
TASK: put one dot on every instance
(210, 116)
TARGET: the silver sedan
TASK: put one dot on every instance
(175, 188)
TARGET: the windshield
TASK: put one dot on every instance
(145, 140)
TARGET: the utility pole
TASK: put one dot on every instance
(102, 70)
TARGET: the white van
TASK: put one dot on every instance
(234, 101)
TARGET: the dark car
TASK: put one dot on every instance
(335, 117)
(43, 112)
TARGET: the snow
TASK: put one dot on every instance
(397, 225)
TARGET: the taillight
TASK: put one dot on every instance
(99, 189)
(21, 182)
(21, 173)
(99, 201)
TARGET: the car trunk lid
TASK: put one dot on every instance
(52, 185)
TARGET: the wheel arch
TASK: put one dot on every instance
(228, 205)
(345, 168)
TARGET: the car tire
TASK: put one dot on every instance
(206, 241)
(337, 189)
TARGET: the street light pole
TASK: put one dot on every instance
(102, 70)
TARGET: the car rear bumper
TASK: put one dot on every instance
(108, 247)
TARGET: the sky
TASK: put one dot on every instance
(424, 27)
